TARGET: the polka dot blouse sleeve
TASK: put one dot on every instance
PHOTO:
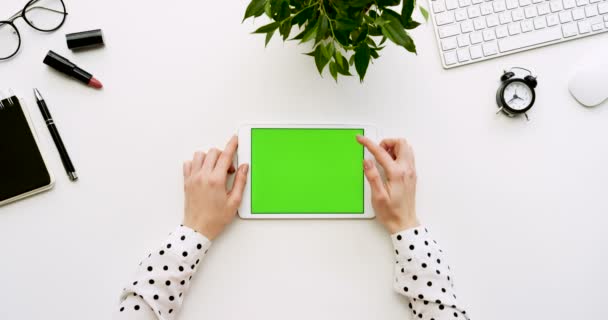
(423, 276)
(163, 277)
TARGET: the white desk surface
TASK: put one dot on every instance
(519, 207)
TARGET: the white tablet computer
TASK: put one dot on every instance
(305, 171)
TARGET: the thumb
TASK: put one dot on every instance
(236, 194)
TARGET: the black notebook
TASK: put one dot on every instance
(23, 171)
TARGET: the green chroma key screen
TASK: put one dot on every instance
(306, 171)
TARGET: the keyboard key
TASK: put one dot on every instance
(543, 9)
(448, 43)
(499, 6)
(492, 20)
(512, 4)
(477, 1)
(591, 10)
(464, 3)
(518, 14)
(594, 1)
(530, 12)
(475, 52)
(463, 55)
(527, 26)
(569, 4)
(463, 40)
(529, 39)
(502, 32)
(597, 27)
(479, 23)
(504, 17)
(466, 26)
(578, 13)
(581, 3)
(474, 12)
(486, 9)
(569, 29)
(552, 20)
(438, 6)
(514, 28)
(540, 23)
(489, 35)
(490, 48)
(537, 1)
(605, 18)
(476, 37)
(584, 27)
(461, 14)
(603, 8)
(444, 18)
(523, 3)
(556, 6)
(451, 4)
(448, 31)
(450, 57)
(565, 16)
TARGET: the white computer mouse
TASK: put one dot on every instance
(589, 85)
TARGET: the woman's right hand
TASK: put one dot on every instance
(394, 200)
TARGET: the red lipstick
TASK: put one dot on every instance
(66, 67)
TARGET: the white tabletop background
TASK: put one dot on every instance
(520, 208)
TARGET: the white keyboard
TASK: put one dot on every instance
(474, 30)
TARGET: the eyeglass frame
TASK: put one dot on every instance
(21, 14)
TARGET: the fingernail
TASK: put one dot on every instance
(245, 168)
(366, 164)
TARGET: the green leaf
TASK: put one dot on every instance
(394, 31)
(322, 32)
(411, 24)
(320, 58)
(374, 54)
(388, 3)
(301, 17)
(425, 13)
(285, 29)
(310, 31)
(407, 10)
(267, 28)
(329, 50)
(333, 70)
(362, 57)
(338, 57)
(268, 37)
(362, 35)
(255, 8)
(343, 66)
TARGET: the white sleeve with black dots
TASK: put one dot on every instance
(162, 279)
(423, 276)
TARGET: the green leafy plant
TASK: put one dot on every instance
(343, 32)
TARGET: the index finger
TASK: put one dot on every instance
(380, 154)
(225, 160)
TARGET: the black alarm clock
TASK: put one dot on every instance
(516, 95)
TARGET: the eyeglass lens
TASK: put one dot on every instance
(9, 40)
(45, 15)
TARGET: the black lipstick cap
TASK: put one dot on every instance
(85, 39)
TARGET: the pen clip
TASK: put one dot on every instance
(11, 94)
(1, 99)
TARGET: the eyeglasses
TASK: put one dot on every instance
(42, 15)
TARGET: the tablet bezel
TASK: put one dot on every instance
(244, 156)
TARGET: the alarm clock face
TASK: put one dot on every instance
(517, 95)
